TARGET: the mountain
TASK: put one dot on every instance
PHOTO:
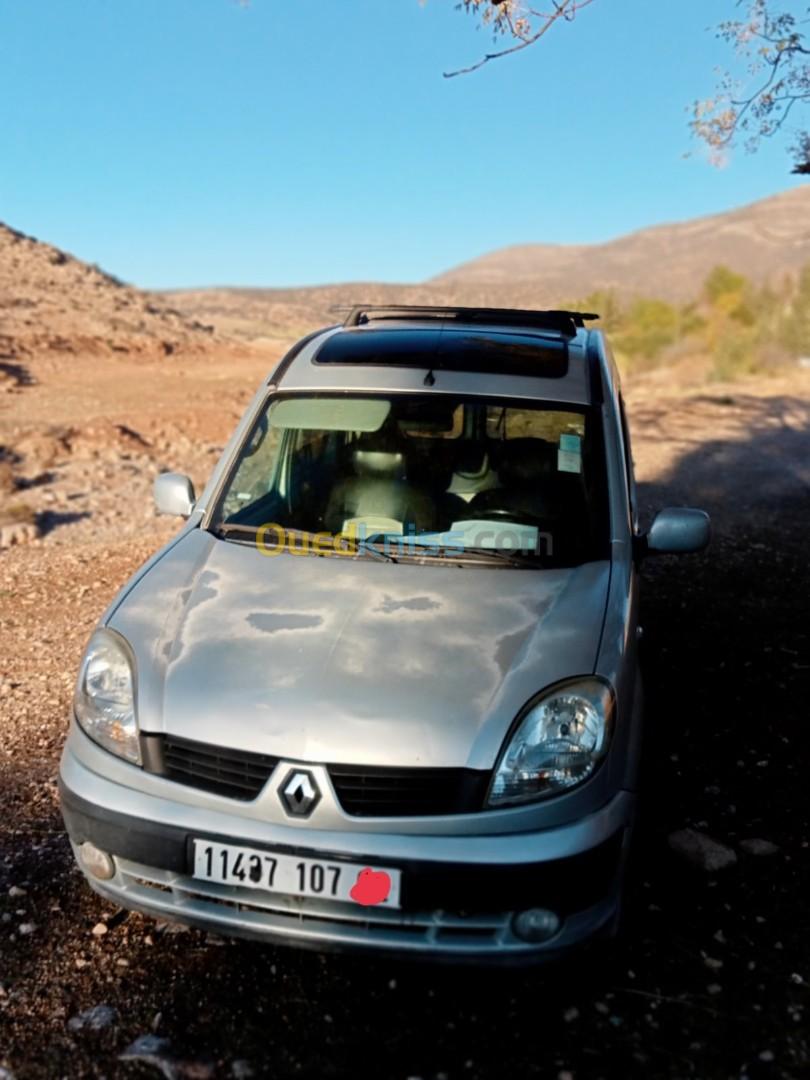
(53, 302)
(763, 241)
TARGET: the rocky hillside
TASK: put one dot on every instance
(52, 302)
(273, 314)
(763, 241)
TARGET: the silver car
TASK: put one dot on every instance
(381, 691)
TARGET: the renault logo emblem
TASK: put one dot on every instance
(299, 793)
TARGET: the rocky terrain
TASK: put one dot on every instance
(713, 975)
(78, 352)
(51, 302)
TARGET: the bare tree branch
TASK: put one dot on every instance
(771, 43)
(518, 20)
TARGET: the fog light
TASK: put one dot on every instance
(536, 924)
(96, 862)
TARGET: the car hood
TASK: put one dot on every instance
(352, 661)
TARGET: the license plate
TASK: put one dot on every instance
(276, 872)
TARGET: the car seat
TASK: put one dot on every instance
(380, 489)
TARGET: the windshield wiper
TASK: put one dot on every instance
(377, 548)
(460, 556)
(511, 558)
(228, 529)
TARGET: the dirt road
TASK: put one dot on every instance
(714, 977)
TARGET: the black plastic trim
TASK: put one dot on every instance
(566, 322)
(376, 791)
(566, 885)
(593, 354)
(236, 774)
(147, 842)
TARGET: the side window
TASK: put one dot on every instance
(628, 465)
(255, 475)
(310, 444)
(546, 424)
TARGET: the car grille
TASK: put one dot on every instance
(364, 791)
(235, 773)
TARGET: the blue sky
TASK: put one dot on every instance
(203, 142)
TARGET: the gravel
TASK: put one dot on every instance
(701, 851)
(96, 1018)
(725, 655)
(759, 847)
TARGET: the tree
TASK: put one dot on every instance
(755, 101)
(723, 285)
(518, 21)
(772, 46)
(796, 331)
(648, 328)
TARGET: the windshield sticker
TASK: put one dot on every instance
(569, 461)
(571, 443)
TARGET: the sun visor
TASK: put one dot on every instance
(330, 414)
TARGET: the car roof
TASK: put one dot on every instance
(546, 356)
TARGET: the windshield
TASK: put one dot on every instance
(416, 476)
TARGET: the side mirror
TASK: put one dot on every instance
(678, 530)
(174, 494)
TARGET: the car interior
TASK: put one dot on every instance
(426, 467)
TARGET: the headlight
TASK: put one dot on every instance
(104, 701)
(558, 743)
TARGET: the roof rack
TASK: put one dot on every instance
(566, 322)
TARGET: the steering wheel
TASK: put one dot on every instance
(514, 517)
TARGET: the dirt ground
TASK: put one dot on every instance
(713, 977)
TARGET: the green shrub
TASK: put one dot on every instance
(736, 354)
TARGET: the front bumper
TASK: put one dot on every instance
(459, 892)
